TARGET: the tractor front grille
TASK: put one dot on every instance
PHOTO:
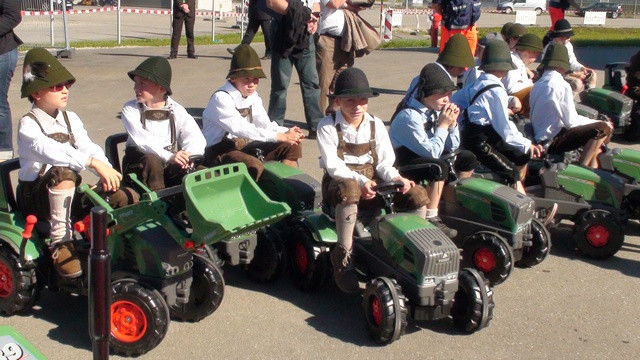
(435, 253)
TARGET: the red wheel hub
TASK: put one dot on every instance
(302, 262)
(376, 311)
(128, 321)
(485, 260)
(6, 280)
(598, 235)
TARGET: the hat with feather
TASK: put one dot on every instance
(42, 70)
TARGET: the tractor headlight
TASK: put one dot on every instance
(429, 281)
(452, 276)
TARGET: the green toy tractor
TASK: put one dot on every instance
(160, 270)
(410, 267)
(617, 108)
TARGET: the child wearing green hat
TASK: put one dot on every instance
(236, 125)
(556, 124)
(356, 153)
(54, 147)
(487, 130)
(518, 82)
(162, 134)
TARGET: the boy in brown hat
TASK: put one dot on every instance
(518, 82)
(556, 124)
(54, 147)
(426, 128)
(487, 130)
(356, 153)
(236, 125)
(162, 135)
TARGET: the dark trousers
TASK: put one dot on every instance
(252, 29)
(151, 170)
(179, 17)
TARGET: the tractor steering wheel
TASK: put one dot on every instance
(389, 187)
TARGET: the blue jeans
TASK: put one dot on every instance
(280, 78)
(8, 63)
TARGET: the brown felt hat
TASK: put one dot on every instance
(245, 62)
(42, 70)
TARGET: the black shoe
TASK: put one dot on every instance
(172, 56)
(312, 135)
(192, 56)
(266, 57)
(231, 50)
(451, 233)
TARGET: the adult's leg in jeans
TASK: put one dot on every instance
(266, 27)
(306, 67)
(8, 62)
(280, 78)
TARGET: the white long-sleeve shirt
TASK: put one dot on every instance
(336, 167)
(37, 150)
(490, 108)
(222, 117)
(156, 134)
(552, 107)
(517, 79)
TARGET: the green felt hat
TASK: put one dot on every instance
(42, 70)
(555, 56)
(245, 63)
(155, 69)
(456, 53)
(497, 57)
(531, 42)
(516, 30)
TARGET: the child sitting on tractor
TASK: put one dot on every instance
(518, 82)
(556, 124)
(356, 153)
(54, 147)
(423, 130)
(162, 135)
(486, 128)
(236, 125)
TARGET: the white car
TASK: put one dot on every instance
(510, 6)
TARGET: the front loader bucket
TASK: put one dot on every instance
(224, 202)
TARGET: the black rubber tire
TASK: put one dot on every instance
(473, 304)
(496, 245)
(538, 11)
(385, 310)
(508, 10)
(18, 286)
(211, 254)
(540, 247)
(269, 259)
(151, 305)
(206, 292)
(309, 265)
(614, 15)
(606, 222)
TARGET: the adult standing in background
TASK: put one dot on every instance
(291, 31)
(9, 18)
(257, 18)
(458, 17)
(556, 12)
(184, 11)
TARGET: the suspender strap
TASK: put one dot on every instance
(59, 137)
(357, 149)
(173, 147)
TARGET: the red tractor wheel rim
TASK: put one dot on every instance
(485, 260)
(6, 280)
(598, 235)
(128, 321)
(301, 258)
(376, 311)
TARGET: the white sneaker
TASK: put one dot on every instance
(6, 155)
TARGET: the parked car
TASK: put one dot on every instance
(510, 6)
(44, 5)
(613, 10)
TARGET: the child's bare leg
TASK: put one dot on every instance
(292, 163)
(590, 152)
(434, 192)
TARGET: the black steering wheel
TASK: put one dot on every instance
(389, 187)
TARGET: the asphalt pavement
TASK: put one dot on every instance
(568, 307)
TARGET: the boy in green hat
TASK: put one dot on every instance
(54, 147)
(426, 128)
(487, 130)
(518, 82)
(356, 153)
(556, 124)
(236, 125)
(162, 134)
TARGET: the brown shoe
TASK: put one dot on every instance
(344, 273)
(65, 261)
